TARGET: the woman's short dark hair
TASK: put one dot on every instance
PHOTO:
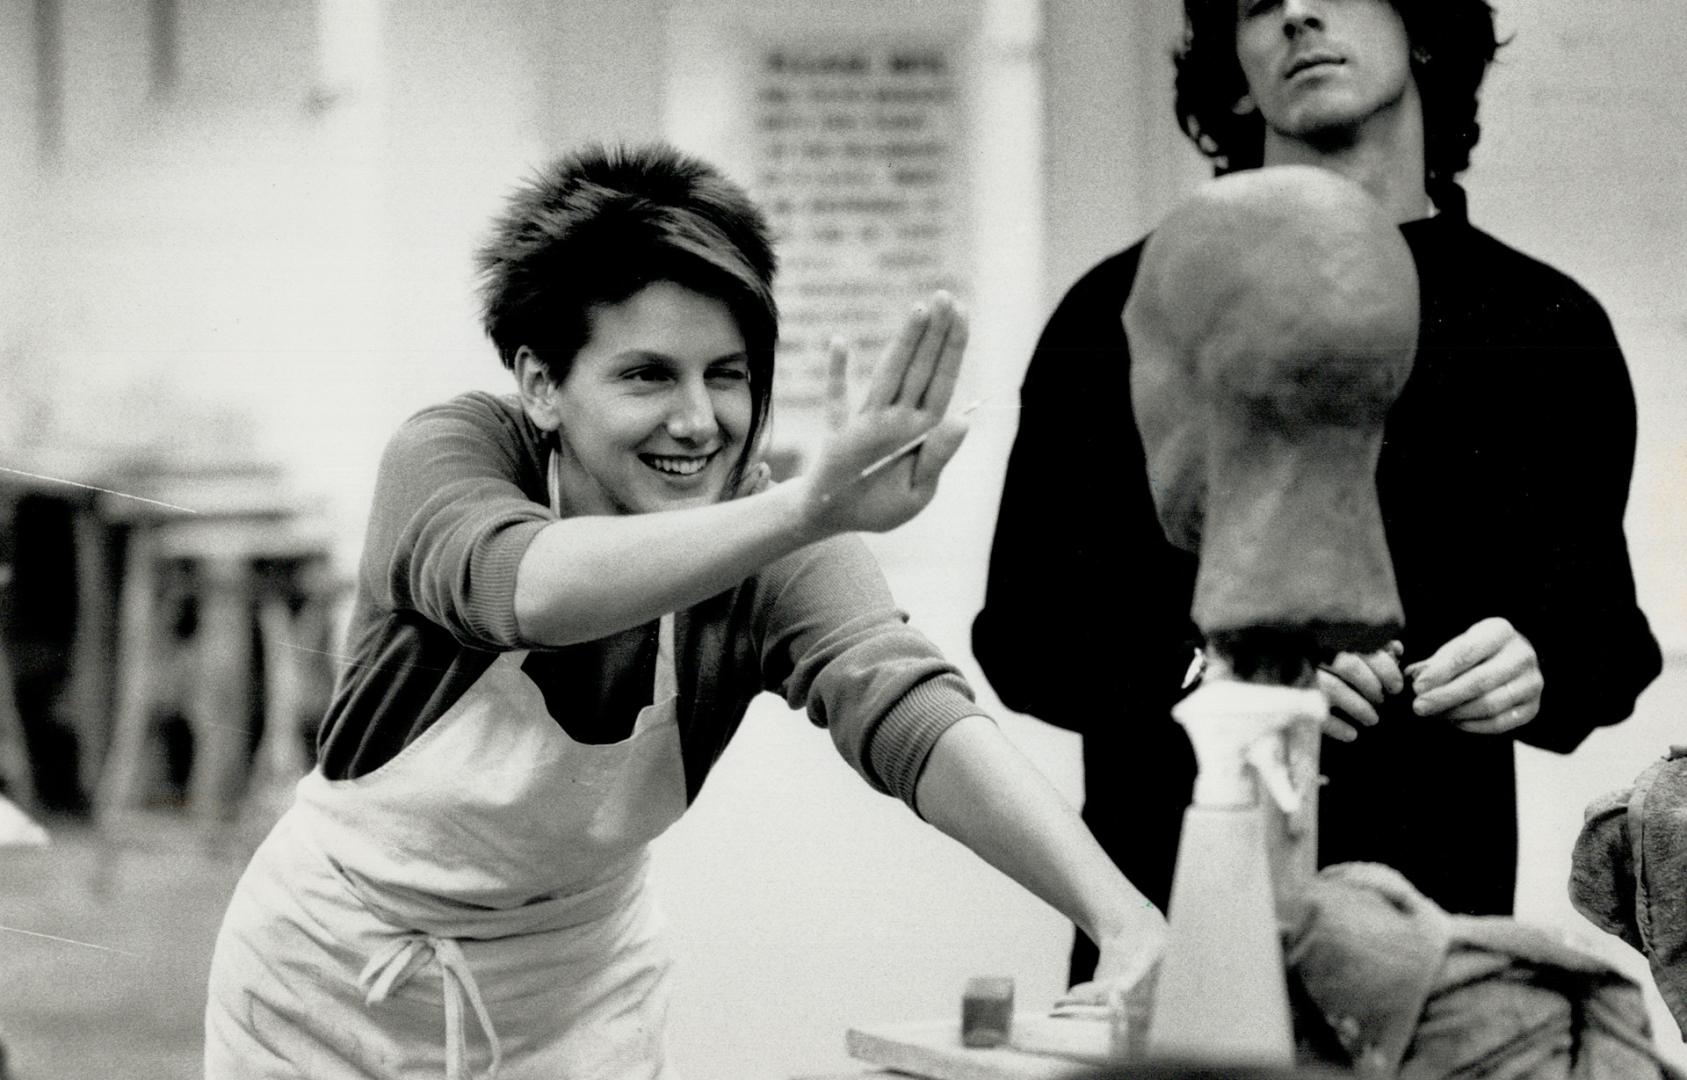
(1452, 45)
(596, 226)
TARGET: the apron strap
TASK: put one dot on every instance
(394, 964)
(666, 683)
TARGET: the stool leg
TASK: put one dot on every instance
(14, 750)
(218, 705)
(280, 760)
(89, 696)
(137, 618)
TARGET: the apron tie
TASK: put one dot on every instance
(394, 964)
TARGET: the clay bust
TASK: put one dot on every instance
(1272, 325)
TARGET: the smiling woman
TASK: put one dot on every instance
(567, 598)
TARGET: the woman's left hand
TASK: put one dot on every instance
(1487, 680)
(1129, 958)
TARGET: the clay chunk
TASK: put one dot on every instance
(986, 1011)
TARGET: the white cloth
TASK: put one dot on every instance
(495, 868)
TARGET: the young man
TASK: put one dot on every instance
(1503, 480)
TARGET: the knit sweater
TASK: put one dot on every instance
(460, 494)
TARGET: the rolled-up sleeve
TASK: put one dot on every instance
(450, 522)
(832, 642)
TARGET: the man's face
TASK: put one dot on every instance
(1319, 69)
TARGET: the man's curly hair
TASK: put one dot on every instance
(596, 226)
(1452, 41)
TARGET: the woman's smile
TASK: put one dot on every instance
(678, 466)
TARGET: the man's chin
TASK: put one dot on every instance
(1330, 121)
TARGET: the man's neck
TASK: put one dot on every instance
(1384, 155)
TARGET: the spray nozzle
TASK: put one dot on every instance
(1240, 728)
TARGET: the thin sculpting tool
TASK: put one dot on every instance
(912, 444)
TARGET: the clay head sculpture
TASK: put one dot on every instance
(1272, 325)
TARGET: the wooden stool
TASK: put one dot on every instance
(241, 576)
(298, 616)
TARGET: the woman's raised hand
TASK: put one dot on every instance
(909, 397)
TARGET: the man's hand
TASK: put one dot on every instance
(1355, 687)
(1487, 680)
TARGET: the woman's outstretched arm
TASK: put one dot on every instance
(978, 788)
(585, 577)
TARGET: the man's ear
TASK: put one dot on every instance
(538, 392)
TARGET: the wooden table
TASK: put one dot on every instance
(1042, 1048)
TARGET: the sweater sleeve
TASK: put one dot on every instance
(832, 641)
(451, 520)
(1576, 603)
(1084, 589)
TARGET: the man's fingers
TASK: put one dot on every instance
(1340, 730)
(1461, 654)
(1357, 673)
(1521, 693)
(1467, 688)
(1505, 710)
(1346, 700)
(893, 365)
(1385, 665)
(1509, 720)
(1516, 661)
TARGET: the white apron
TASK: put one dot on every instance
(477, 906)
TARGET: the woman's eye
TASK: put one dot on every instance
(647, 374)
(729, 374)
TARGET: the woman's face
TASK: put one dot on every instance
(655, 410)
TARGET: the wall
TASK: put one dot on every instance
(271, 258)
(1115, 161)
(1583, 163)
(17, 181)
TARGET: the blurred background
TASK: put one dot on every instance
(235, 247)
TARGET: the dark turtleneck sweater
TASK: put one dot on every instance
(1503, 479)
